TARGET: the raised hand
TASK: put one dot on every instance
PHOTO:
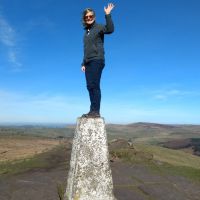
(109, 8)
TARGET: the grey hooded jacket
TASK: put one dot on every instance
(94, 40)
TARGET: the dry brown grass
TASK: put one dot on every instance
(170, 156)
(13, 148)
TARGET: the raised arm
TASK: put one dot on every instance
(109, 27)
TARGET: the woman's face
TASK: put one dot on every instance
(89, 18)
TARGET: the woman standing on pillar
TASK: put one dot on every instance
(94, 61)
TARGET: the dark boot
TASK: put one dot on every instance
(91, 114)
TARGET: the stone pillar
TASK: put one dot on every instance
(90, 176)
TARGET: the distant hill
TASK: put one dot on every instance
(144, 130)
(174, 136)
(39, 131)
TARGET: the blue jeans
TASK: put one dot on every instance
(93, 71)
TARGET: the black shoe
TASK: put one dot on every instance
(91, 114)
(85, 115)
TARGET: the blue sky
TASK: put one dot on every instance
(152, 61)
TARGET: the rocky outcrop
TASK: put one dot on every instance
(90, 176)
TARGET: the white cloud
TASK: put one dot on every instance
(45, 107)
(116, 113)
(16, 107)
(8, 39)
(160, 97)
(166, 94)
(7, 33)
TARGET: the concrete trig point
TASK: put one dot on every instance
(90, 176)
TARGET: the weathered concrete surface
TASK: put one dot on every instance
(90, 176)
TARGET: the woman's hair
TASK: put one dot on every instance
(87, 10)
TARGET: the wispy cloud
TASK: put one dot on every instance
(43, 107)
(9, 39)
(165, 94)
(146, 113)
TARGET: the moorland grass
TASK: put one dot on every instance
(171, 156)
(162, 160)
(42, 160)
